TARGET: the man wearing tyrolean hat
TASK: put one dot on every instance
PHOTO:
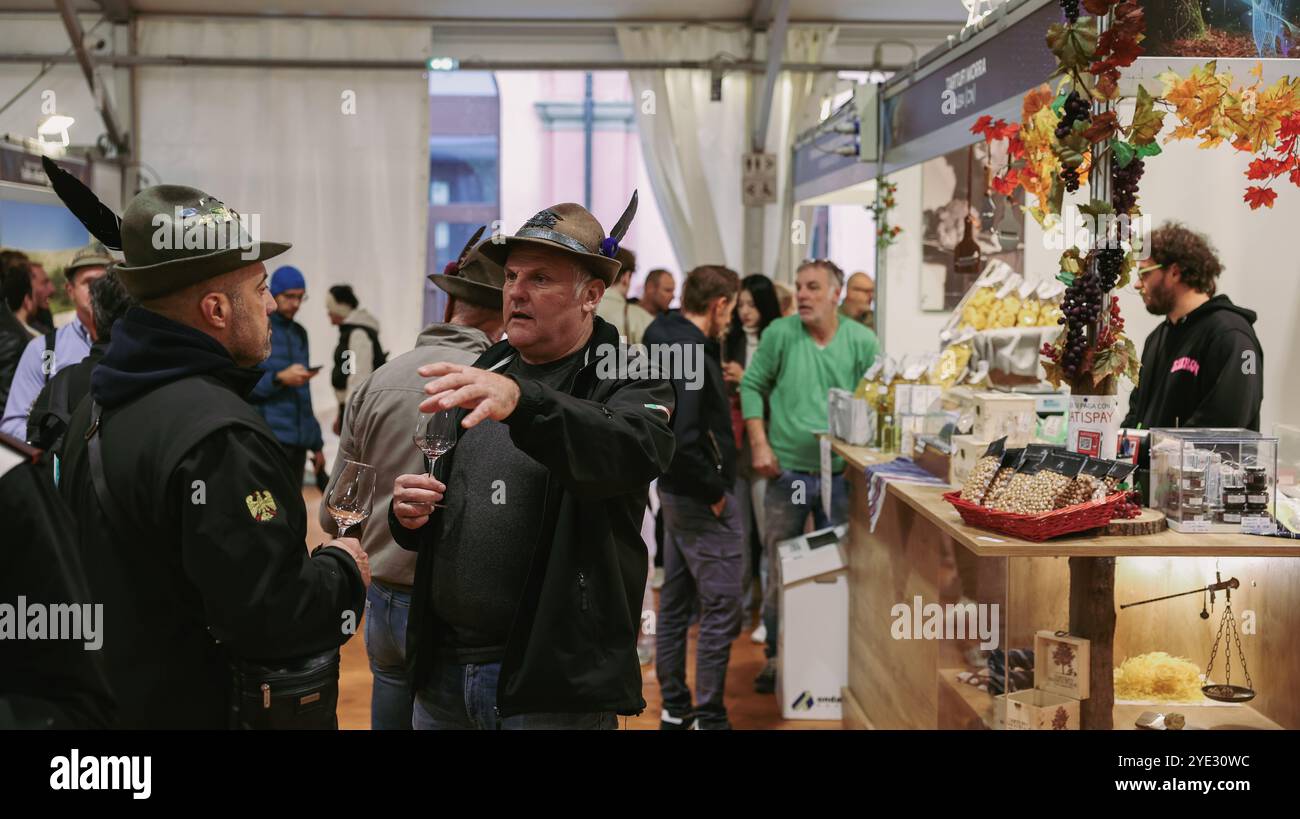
(190, 521)
(528, 580)
(377, 425)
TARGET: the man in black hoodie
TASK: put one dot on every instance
(190, 520)
(1203, 366)
(703, 542)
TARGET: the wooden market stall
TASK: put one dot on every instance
(921, 548)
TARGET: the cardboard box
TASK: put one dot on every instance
(1035, 710)
(1061, 664)
(966, 451)
(813, 641)
(1003, 413)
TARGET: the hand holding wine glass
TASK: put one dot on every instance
(350, 494)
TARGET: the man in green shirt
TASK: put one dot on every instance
(799, 359)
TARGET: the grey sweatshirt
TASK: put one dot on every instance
(377, 429)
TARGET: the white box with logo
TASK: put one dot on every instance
(813, 641)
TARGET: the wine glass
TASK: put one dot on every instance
(435, 433)
(350, 494)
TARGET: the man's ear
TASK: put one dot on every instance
(1175, 272)
(594, 292)
(215, 308)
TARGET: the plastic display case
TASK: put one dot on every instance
(1214, 480)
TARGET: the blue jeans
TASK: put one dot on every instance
(390, 697)
(784, 519)
(464, 698)
(702, 565)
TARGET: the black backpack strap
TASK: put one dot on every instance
(49, 355)
(105, 496)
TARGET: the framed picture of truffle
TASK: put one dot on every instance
(948, 184)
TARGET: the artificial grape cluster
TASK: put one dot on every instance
(1130, 508)
(1071, 9)
(1076, 109)
(1080, 308)
(1110, 260)
(1124, 184)
(1070, 178)
(1111, 332)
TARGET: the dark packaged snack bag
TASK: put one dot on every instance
(1118, 473)
(1090, 485)
(1039, 451)
(1011, 460)
(982, 474)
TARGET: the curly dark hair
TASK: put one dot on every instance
(1198, 264)
(109, 301)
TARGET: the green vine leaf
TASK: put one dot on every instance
(1073, 45)
(1097, 207)
(1123, 152)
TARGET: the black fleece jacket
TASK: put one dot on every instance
(704, 459)
(1205, 371)
(572, 644)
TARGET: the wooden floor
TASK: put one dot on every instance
(746, 709)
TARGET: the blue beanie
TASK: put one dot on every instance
(287, 278)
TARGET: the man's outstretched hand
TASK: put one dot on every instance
(485, 394)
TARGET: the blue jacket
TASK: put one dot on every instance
(287, 410)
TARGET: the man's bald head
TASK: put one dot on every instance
(234, 308)
(859, 295)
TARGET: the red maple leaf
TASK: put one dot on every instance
(1295, 177)
(1006, 184)
(1265, 168)
(1256, 196)
(1016, 147)
(1004, 130)
(981, 125)
(1290, 127)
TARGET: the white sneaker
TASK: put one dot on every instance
(759, 635)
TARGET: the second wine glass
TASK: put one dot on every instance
(350, 494)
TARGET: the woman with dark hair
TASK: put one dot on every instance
(758, 306)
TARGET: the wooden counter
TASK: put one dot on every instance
(928, 500)
(921, 548)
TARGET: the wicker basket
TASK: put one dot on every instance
(1078, 518)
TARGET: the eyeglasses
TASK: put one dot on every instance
(1143, 272)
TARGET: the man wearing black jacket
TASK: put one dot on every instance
(1203, 366)
(191, 522)
(527, 596)
(703, 531)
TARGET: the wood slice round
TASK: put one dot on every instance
(1149, 522)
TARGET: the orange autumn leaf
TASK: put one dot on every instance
(1036, 100)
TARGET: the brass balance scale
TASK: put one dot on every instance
(1225, 691)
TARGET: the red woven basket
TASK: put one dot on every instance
(1078, 518)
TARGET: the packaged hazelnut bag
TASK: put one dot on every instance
(982, 474)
